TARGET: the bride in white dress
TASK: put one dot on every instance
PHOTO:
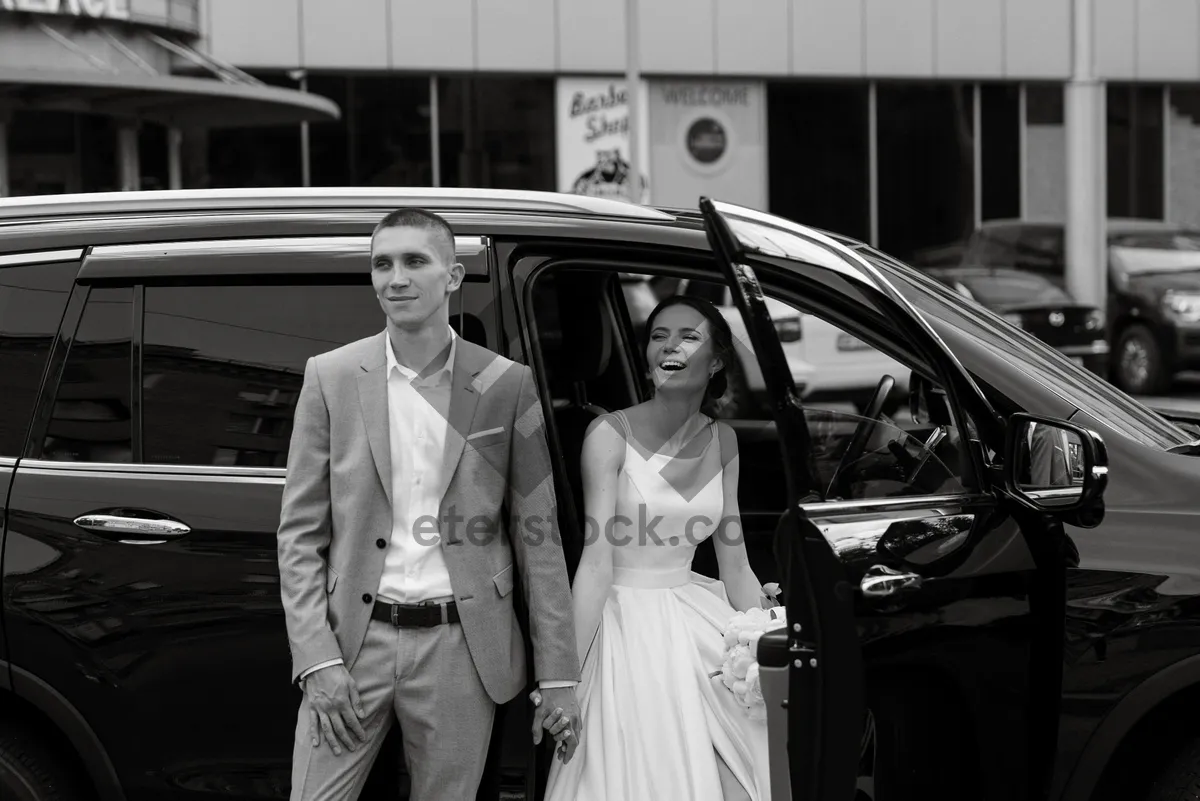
(656, 725)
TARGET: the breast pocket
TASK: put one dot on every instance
(504, 581)
(485, 439)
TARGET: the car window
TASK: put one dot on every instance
(1050, 368)
(837, 374)
(92, 417)
(32, 300)
(223, 365)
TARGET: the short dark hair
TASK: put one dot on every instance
(716, 396)
(420, 218)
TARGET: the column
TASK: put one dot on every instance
(4, 187)
(128, 160)
(1087, 252)
(175, 157)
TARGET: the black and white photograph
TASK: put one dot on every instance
(599, 400)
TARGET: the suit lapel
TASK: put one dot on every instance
(464, 398)
(372, 395)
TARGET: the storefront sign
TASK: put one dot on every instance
(709, 139)
(593, 139)
(99, 9)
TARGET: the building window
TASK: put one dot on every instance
(1184, 158)
(926, 169)
(497, 133)
(383, 137)
(819, 150)
(1135, 151)
(1000, 151)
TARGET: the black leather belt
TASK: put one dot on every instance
(415, 615)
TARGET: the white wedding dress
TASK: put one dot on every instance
(655, 723)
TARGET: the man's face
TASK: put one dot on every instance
(414, 273)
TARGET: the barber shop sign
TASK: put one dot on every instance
(593, 139)
(97, 9)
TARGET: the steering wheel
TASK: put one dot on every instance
(862, 435)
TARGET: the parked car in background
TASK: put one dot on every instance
(1038, 305)
(1153, 307)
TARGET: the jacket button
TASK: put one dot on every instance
(366, 597)
(381, 542)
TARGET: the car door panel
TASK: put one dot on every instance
(955, 584)
(191, 628)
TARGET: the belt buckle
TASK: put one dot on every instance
(395, 613)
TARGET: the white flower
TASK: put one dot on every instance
(739, 670)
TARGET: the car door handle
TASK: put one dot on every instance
(133, 530)
(881, 581)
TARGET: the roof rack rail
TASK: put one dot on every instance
(445, 199)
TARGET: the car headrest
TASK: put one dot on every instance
(586, 328)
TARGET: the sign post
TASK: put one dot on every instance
(632, 84)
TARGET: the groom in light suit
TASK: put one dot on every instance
(418, 487)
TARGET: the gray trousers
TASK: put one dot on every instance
(425, 679)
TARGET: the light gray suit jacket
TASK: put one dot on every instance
(337, 503)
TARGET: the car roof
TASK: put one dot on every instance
(157, 201)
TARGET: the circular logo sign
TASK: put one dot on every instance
(706, 140)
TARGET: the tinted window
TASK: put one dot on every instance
(32, 299)
(223, 366)
(92, 417)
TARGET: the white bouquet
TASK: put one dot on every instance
(739, 671)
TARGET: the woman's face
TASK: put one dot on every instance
(681, 353)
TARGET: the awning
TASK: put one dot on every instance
(177, 100)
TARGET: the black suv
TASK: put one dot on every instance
(975, 621)
(1153, 307)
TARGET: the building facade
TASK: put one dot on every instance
(103, 95)
(903, 122)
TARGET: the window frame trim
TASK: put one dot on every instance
(32, 259)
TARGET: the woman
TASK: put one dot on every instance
(656, 724)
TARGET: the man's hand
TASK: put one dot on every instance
(336, 708)
(556, 711)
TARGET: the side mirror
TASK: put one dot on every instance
(1053, 466)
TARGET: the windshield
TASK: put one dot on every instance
(1041, 362)
(1010, 289)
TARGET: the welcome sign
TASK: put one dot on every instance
(592, 128)
(97, 9)
(708, 137)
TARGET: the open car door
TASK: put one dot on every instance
(812, 671)
(894, 599)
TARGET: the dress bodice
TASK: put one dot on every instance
(667, 503)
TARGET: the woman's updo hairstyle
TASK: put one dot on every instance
(717, 394)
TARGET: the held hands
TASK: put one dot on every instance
(557, 711)
(335, 708)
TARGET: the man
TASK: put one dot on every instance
(397, 561)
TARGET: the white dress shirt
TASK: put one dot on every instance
(414, 567)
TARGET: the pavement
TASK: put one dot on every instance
(1184, 395)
